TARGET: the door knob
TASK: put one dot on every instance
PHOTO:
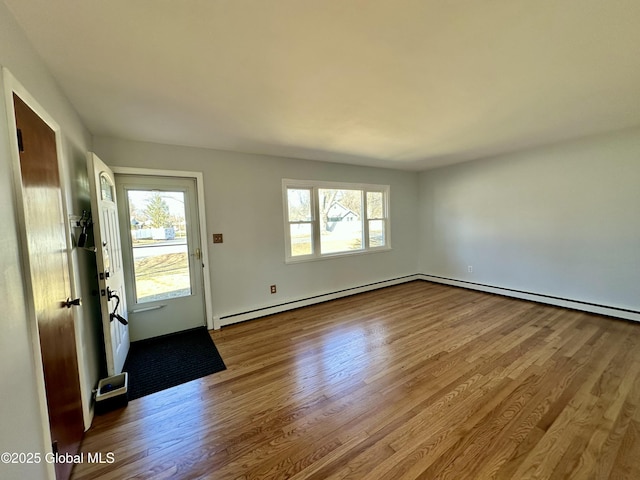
(70, 303)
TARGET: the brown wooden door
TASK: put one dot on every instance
(48, 263)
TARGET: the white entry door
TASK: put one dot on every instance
(162, 254)
(106, 232)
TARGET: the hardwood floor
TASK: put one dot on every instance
(413, 381)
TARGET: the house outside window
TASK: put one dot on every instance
(328, 219)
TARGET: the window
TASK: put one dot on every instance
(158, 222)
(325, 219)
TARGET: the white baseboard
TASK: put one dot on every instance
(560, 302)
(229, 319)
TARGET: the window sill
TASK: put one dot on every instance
(329, 256)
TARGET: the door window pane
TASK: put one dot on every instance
(340, 220)
(159, 241)
(106, 188)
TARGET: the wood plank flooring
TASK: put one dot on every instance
(418, 380)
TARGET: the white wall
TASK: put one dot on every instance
(244, 202)
(21, 422)
(562, 220)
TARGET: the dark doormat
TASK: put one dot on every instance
(163, 362)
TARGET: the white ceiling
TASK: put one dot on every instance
(408, 84)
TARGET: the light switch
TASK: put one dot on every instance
(217, 238)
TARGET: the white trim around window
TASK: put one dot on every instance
(332, 219)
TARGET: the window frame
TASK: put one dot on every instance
(314, 187)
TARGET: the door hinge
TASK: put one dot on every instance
(20, 143)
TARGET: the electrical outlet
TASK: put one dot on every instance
(273, 289)
(470, 269)
(217, 238)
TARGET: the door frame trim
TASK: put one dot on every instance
(13, 86)
(212, 322)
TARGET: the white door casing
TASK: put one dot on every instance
(106, 231)
(213, 322)
(173, 309)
